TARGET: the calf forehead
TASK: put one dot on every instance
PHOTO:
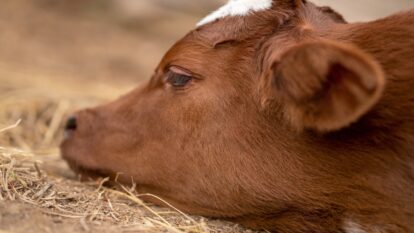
(240, 20)
(237, 8)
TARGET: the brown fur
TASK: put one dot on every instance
(295, 121)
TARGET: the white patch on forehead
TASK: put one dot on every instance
(352, 227)
(237, 8)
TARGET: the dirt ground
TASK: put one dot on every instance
(57, 56)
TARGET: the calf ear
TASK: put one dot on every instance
(326, 86)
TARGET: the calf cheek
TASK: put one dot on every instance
(132, 139)
(162, 141)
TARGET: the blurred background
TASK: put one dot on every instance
(59, 55)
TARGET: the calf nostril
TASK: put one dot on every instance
(71, 124)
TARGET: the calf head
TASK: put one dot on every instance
(278, 115)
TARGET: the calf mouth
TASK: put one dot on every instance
(71, 151)
(85, 173)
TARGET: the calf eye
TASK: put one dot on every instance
(178, 78)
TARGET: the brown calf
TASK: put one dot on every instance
(278, 115)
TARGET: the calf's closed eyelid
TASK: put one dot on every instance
(179, 70)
